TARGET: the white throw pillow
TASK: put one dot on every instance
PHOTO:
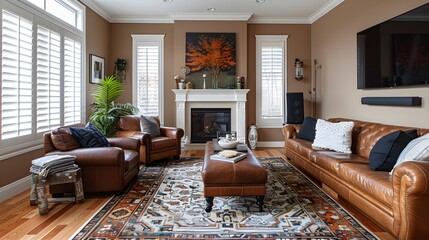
(416, 150)
(334, 136)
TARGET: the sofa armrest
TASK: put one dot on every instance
(95, 156)
(410, 200)
(290, 130)
(171, 132)
(129, 143)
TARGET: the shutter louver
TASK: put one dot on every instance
(72, 82)
(272, 81)
(148, 79)
(16, 85)
(48, 79)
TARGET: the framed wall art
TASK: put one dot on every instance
(96, 68)
(212, 55)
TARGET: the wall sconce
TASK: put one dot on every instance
(299, 69)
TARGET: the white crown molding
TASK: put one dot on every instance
(260, 20)
(91, 4)
(210, 16)
(190, 16)
(152, 19)
(324, 10)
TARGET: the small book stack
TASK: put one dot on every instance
(53, 164)
(229, 156)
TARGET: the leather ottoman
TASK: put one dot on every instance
(244, 178)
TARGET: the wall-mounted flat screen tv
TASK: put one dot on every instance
(395, 53)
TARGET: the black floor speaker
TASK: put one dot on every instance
(295, 108)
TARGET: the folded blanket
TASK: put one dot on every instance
(53, 164)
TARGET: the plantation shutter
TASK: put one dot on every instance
(272, 70)
(72, 81)
(48, 79)
(148, 82)
(16, 84)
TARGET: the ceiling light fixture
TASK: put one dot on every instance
(168, 1)
(211, 9)
(260, 1)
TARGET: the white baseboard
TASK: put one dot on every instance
(14, 188)
(276, 144)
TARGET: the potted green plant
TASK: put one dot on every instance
(107, 112)
(121, 69)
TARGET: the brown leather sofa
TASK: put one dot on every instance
(104, 169)
(151, 148)
(398, 203)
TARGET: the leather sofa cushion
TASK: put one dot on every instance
(63, 140)
(375, 184)
(163, 142)
(131, 159)
(301, 147)
(129, 123)
(332, 164)
(370, 134)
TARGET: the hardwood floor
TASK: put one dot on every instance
(19, 220)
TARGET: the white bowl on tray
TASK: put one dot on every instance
(228, 144)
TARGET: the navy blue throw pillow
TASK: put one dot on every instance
(387, 149)
(89, 136)
(308, 129)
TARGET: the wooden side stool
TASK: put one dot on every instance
(38, 188)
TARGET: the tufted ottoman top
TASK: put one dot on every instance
(245, 172)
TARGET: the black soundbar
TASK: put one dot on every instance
(392, 101)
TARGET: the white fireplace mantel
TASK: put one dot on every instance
(211, 98)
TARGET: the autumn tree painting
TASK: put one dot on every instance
(213, 53)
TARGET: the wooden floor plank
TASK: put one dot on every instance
(19, 220)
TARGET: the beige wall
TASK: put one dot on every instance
(333, 44)
(97, 42)
(298, 46)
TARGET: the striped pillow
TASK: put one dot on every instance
(89, 136)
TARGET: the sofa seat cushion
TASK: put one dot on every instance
(301, 147)
(331, 161)
(163, 142)
(131, 159)
(375, 184)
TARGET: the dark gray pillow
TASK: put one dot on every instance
(308, 129)
(149, 125)
(387, 149)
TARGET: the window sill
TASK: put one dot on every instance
(20, 149)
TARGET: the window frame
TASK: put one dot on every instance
(18, 145)
(150, 40)
(277, 39)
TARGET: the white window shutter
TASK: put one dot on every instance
(48, 79)
(272, 70)
(270, 80)
(16, 85)
(148, 81)
(72, 81)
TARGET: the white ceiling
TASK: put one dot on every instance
(158, 11)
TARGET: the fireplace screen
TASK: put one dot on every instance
(206, 122)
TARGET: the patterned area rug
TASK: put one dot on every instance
(167, 202)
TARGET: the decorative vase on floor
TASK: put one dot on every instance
(253, 136)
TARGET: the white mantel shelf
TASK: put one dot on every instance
(211, 98)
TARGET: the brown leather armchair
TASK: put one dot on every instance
(151, 148)
(104, 169)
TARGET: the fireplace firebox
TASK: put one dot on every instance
(207, 122)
